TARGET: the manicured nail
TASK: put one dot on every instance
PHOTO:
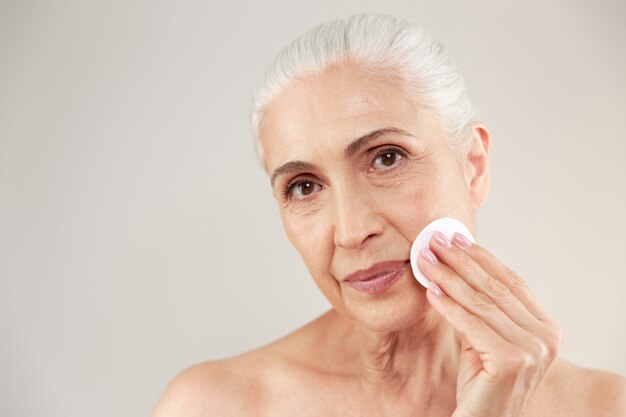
(461, 240)
(429, 256)
(441, 239)
(434, 288)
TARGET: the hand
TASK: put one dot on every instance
(508, 341)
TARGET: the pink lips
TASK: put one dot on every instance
(378, 277)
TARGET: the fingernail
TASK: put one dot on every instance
(434, 288)
(429, 256)
(461, 240)
(441, 239)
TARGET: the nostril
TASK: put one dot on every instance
(349, 241)
(355, 238)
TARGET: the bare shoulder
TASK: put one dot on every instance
(602, 393)
(572, 390)
(243, 385)
(212, 388)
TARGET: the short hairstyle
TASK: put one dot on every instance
(383, 46)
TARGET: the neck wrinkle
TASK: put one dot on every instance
(411, 362)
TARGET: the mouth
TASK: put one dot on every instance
(377, 278)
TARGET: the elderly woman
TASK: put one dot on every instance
(365, 130)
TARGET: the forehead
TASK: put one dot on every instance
(321, 115)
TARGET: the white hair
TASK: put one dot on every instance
(384, 46)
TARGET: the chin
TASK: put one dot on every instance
(398, 311)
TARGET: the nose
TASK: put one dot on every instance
(356, 218)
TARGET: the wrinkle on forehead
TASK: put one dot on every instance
(307, 109)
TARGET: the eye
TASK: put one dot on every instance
(387, 158)
(300, 188)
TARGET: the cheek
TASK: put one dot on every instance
(411, 207)
(423, 197)
(310, 238)
(315, 244)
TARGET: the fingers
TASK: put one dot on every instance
(491, 346)
(508, 340)
(496, 272)
(491, 292)
(464, 270)
(497, 281)
(496, 269)
(461, 286)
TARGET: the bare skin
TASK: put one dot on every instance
(476, 344)
(304, 374)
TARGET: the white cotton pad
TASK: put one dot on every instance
(446, 225)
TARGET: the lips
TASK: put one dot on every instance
(375, 270)
(377, 278)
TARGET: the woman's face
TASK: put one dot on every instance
(358, 169)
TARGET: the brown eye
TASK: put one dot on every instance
(387, 159)
(301, 189)
(305, 187)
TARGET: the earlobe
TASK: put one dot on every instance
(477, 165)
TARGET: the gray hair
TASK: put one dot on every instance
(388, 47)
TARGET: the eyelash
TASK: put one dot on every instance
(286, 192)
(387, 150)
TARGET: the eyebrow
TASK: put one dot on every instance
(353, 147)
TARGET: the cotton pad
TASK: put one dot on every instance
(446, 225)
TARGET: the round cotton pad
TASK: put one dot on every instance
(448, 226)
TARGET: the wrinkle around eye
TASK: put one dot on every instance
(408, 168)
(306, 205)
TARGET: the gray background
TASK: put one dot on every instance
(138, 234)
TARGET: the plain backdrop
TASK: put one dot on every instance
(138, 234)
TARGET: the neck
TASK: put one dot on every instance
(414, 365)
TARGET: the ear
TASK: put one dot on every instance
(477, 165)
